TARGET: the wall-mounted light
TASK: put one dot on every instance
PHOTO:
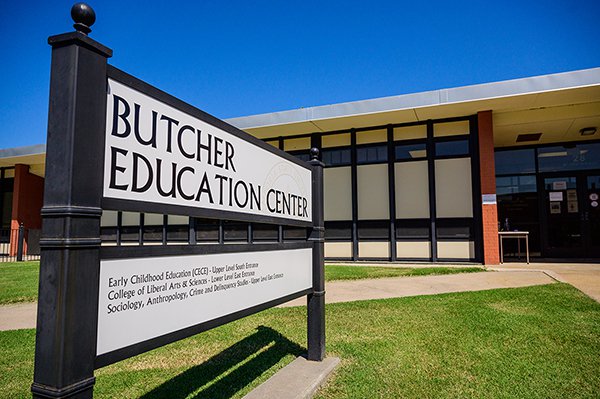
(587, 131)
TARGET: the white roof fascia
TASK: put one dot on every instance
(485, 91)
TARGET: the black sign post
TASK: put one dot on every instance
(68, 328)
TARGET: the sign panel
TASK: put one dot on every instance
(556, 196)
(156, 153)
(144, 298)
(488, 199)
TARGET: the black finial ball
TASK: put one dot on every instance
(84, 17)
(314, 153)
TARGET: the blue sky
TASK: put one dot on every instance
(241, 58)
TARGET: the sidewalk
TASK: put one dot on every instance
(585, 277)
(395, 287)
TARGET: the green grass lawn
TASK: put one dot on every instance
(342, 272)
(19, 281)
(535, 342)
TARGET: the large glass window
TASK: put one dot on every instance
(578, 157)
(515, 162)
(338, 231)
(374, 230)
(207, 230)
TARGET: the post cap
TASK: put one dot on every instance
(314, 153)
(84, 16)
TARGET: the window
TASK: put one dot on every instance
(452, 148)
(338, 231)
(291, 233)
(265, 232)
(235, 231)
(410, 151)
(207, 230)
(515, 161)
(372, 154)
(178, 228)
(374, 230)
(153, 227)
(412, 229)
(336, 157)
(579, 157)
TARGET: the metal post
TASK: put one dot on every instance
(65, 347)
(316, 300)
(20, 240)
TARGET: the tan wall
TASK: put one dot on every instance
(450, 128)
(373, 192)
(338, 250)
(412, 190)
(373, 249)
(410, 132)
(456, 249)
(302, 143)
(413, 249)
(337, 185)
(335, 140)
(175, 220)
(371, 136)
(453, 188)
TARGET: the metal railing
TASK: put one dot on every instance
(20, 244)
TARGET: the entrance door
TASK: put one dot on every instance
(571, 215)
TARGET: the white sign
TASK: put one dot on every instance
(559, 185)
(145, 298)
(556, 196)
(593, 196)
(157, 153)
(488, 199)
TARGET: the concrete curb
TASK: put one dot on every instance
(298, 380)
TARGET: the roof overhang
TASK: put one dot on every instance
(511, 101)
(33, 155)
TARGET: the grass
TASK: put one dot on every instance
(341, 272)
(19, 282)
(535, 342)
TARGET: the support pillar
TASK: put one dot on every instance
(65, 348)
(316, 300)
(487, 173)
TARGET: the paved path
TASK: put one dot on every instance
(395, 287)
(585, 277)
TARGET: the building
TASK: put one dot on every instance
(429, 176)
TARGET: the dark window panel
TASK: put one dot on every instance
(235, 231)
(374, 230)
(178, 233)
(578, 157)
(412, 229)
(410, 151)
(108, 234)
(371, 154)
(336, 157)
(338, 231)
(264, 232)
(515, 161)
(207, 230)
(457, 229)
(291, 233)
(130, 233)
(452, 148)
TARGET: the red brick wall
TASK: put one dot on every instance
(28, 193)
(487, 170)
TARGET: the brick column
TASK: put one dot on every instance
(487, 173)
(28, 193)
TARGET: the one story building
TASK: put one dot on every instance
(431, 176)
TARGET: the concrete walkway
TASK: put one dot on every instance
(585, 277)
(395, 287)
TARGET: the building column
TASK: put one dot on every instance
(487, 173)
(28, 193)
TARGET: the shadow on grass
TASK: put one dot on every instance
(272, 346)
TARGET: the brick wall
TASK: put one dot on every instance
(489, 217)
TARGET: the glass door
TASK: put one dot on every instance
(570, 213)
(591, 215)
